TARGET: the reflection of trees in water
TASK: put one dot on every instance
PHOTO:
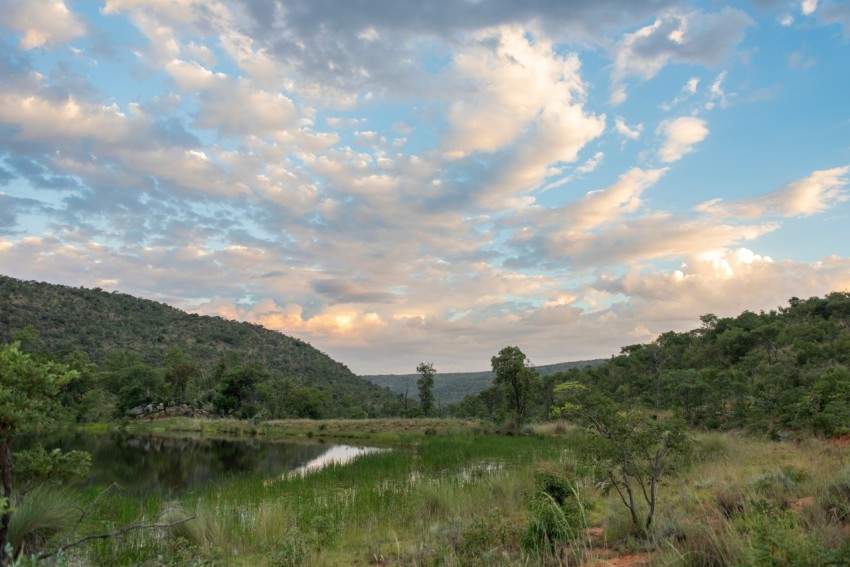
(145, 463)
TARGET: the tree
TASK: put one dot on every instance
(236, 393)
(426, 387)
(29, 398)
(633, 449)
(517, 379)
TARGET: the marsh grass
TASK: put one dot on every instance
(480, 499)
(45, 512)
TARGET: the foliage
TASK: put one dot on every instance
(632, 449)
(130, 353)
(425, 384)
(44, 513)
(556, 514)
(29, 398)
(517, 380)
(453, 387)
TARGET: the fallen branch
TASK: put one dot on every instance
(116, 533)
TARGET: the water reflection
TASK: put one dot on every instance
(175, 465)
(336, 455)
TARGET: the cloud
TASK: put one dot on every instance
(814, 194)
(835, 13)
(808, 7)
(800, 61)
(41, 22)
(724, 283)
(632, 133)
(680, 136)
(692, 37)
(189, 75)
(344, 291)
(237, 107)
(542, 124)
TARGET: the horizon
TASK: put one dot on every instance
(436, 182)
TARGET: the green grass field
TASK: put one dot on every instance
(448, 493)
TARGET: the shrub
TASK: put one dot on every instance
(483, 539)
(556, 514)
(44, 512)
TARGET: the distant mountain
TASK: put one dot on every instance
(451, 387)
(98, 322)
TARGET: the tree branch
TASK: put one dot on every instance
(122, 531)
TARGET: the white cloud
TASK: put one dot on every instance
(814, 194)
(808, 7)
(541, 124)
(632, 133)
(189, 75)
(238, 107)
(717, 95)
(41, 22)
(677, 37)
(680, 136)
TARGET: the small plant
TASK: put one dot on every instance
(291, 551)
(556, 514)
(835, 498)
(44, 513)
(483, 539)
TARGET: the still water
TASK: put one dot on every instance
(176, 465)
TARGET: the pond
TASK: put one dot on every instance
(143, 464)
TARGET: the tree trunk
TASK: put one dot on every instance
(6, 477)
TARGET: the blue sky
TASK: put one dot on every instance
(432, 181)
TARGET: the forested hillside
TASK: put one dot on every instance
(123, 341)
(772, 372)
(452, 387)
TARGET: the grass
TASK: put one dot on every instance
(449, 494)
(390, 430)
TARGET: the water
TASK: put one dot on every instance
(176, 465)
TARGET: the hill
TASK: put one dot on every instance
(451, 387)
(100, 324)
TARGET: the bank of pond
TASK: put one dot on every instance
(450, 495)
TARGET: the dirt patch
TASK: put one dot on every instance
(841, 441)
(629, 560)
(802, 503)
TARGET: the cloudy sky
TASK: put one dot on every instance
(398, 182)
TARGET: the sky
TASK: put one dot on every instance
(399, 182)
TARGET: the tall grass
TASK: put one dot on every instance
(416, 502)
(478, 499)
(44, 513)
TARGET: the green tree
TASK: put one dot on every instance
(633, 449)
(179, 370)
(517, 379)
(29, 398)
(236, 393)
(425, 383)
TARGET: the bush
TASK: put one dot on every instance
(556, 514)
(483, 539)
(44, 513)
(835, 498)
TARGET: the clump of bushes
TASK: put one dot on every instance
(556, 513)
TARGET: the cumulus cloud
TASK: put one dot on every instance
(386, 174)
(680, 137)
(41, 22)
(808, 7)
(725, 283)
(544, 123)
